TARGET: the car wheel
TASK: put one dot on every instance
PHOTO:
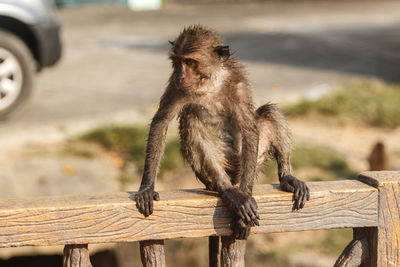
(16, 72)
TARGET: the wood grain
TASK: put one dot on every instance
(386, 239)
(113, 217)
(232, 252)
(76, 256)
(357, 252)
(152, 253)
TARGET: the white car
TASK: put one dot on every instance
(29, 41)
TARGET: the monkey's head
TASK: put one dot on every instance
(196, 54)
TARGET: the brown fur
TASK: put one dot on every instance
(223, 137)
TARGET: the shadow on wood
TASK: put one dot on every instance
(369, 205)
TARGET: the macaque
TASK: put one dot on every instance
(223, 138)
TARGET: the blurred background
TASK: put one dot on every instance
(81, 79)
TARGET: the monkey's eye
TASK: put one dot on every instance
(190, 62)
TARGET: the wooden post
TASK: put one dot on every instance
(383, 242)
(152, 253)
(213, 251)
(357, 252)
(232, 252)
(76, 256)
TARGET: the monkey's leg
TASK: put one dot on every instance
(275, 140)
(206, 157)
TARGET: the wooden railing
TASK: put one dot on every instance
(370, 205)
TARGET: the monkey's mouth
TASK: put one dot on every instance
(185, 88)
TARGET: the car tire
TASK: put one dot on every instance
(16, 72)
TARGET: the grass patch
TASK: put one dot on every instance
(361, 102)
(129, 143)
(305, 155)
(80, 149)
(330, 164)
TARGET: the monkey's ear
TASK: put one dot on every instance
(223, 51)
(171, 42)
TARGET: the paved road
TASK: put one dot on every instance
(115, 64)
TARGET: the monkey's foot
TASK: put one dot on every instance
(144, 200)
(244, 205)
(301, 192)
(240, 230)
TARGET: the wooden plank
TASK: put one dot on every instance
(385, 240)
(88, 219)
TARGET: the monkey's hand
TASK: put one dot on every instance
(243, 205)
(241, 231)
(301, 191)
(144, 200)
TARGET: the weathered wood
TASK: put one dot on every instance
(184, 213)
(232, 252)
(385, 239)
(76, 256)
(213, 251)
(152, 253)
(357, 251)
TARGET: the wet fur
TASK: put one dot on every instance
(223, 138)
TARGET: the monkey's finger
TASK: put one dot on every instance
(249, 207)
(156, 196)
(146, 205)
(296, 198)
(256, 222)
(254, 209)
(303, 198)
(239, 233)
(241, 215)
(306, 193)
(244, 211)
(139, 203)
(254, 216)
(235, 234)
(241, 223)
(151, 206)
(245, 233)
(254, 219)
(242, 234)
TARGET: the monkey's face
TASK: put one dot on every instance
(196, 55)
(186, 74)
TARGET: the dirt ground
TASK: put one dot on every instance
(115, 66)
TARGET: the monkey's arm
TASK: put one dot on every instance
(275, 124)
(155, 146)
(240, 199)
(250, 139)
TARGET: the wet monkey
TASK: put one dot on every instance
(223, 138)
